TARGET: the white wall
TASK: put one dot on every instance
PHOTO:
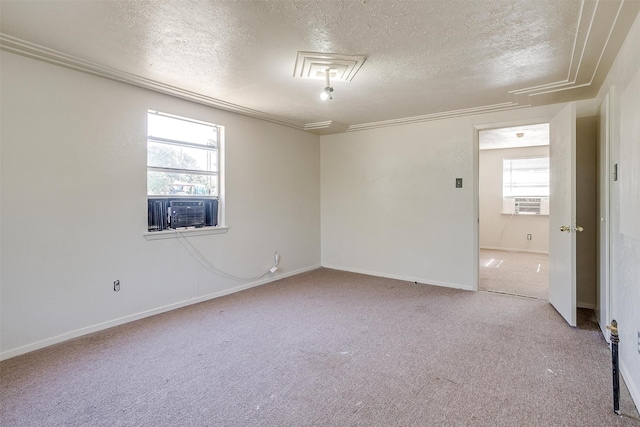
(623, 81)
(389, 203)
(508, 232)
(76, 145)
(73, 208)
(390, 206)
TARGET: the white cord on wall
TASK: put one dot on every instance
(206, 264)
(526, 245)
(504, 228)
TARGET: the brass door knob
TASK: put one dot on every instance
(578, 229)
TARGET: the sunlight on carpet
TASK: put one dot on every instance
(515, 273)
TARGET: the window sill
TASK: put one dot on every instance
(523, 214)
(187, 232)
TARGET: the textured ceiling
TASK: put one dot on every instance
(512, 137)
(424, 59)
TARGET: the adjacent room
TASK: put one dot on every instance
(514, 207)
(327, 213)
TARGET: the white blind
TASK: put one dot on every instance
(525, 177)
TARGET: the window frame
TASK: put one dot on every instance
(508, 201)
(211, 149)
(216, 171)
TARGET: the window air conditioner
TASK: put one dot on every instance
(186, 214)
(181, 213)
(527, 205)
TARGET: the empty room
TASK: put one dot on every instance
(285, 213)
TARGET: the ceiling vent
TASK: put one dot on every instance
(313, 65)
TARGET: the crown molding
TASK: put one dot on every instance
(600, 25)
(326, 128)
(437, 116)
(41, 53)
(599, 34)
(594, 34)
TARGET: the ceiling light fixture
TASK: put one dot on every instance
(326, 92)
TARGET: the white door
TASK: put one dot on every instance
(562, 213)
(602, 296)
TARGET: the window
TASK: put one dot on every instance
(525, 185)
(183, 172)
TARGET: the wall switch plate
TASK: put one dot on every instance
(458, 182)
(638, 341)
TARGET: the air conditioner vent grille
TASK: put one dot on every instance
(529, 205)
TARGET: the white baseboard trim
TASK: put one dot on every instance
(141, 315)
(400, 277)
(634, 391)
(589, 305)
(531, 251)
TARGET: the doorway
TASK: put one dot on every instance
(513, 168)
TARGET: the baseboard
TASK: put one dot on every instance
(634, 391)
(400, 277)
(531, 251)
(590, 306)
(141, 315)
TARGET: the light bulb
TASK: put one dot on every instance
(326, 93)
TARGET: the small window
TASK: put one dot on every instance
(525, 185)
(183, 172)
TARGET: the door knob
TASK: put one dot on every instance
(578, 229)
(565, 228)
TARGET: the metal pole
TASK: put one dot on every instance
(615, 339)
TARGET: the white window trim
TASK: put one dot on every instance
(171, 234)
(504, 198)
(221, 228)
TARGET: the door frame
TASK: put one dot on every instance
(606, 162)
(476, 187)
(606, 181)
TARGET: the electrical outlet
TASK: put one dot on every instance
(528, 236)
(116, 286)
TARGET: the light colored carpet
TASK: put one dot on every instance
(516, 273)
(324, 348)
